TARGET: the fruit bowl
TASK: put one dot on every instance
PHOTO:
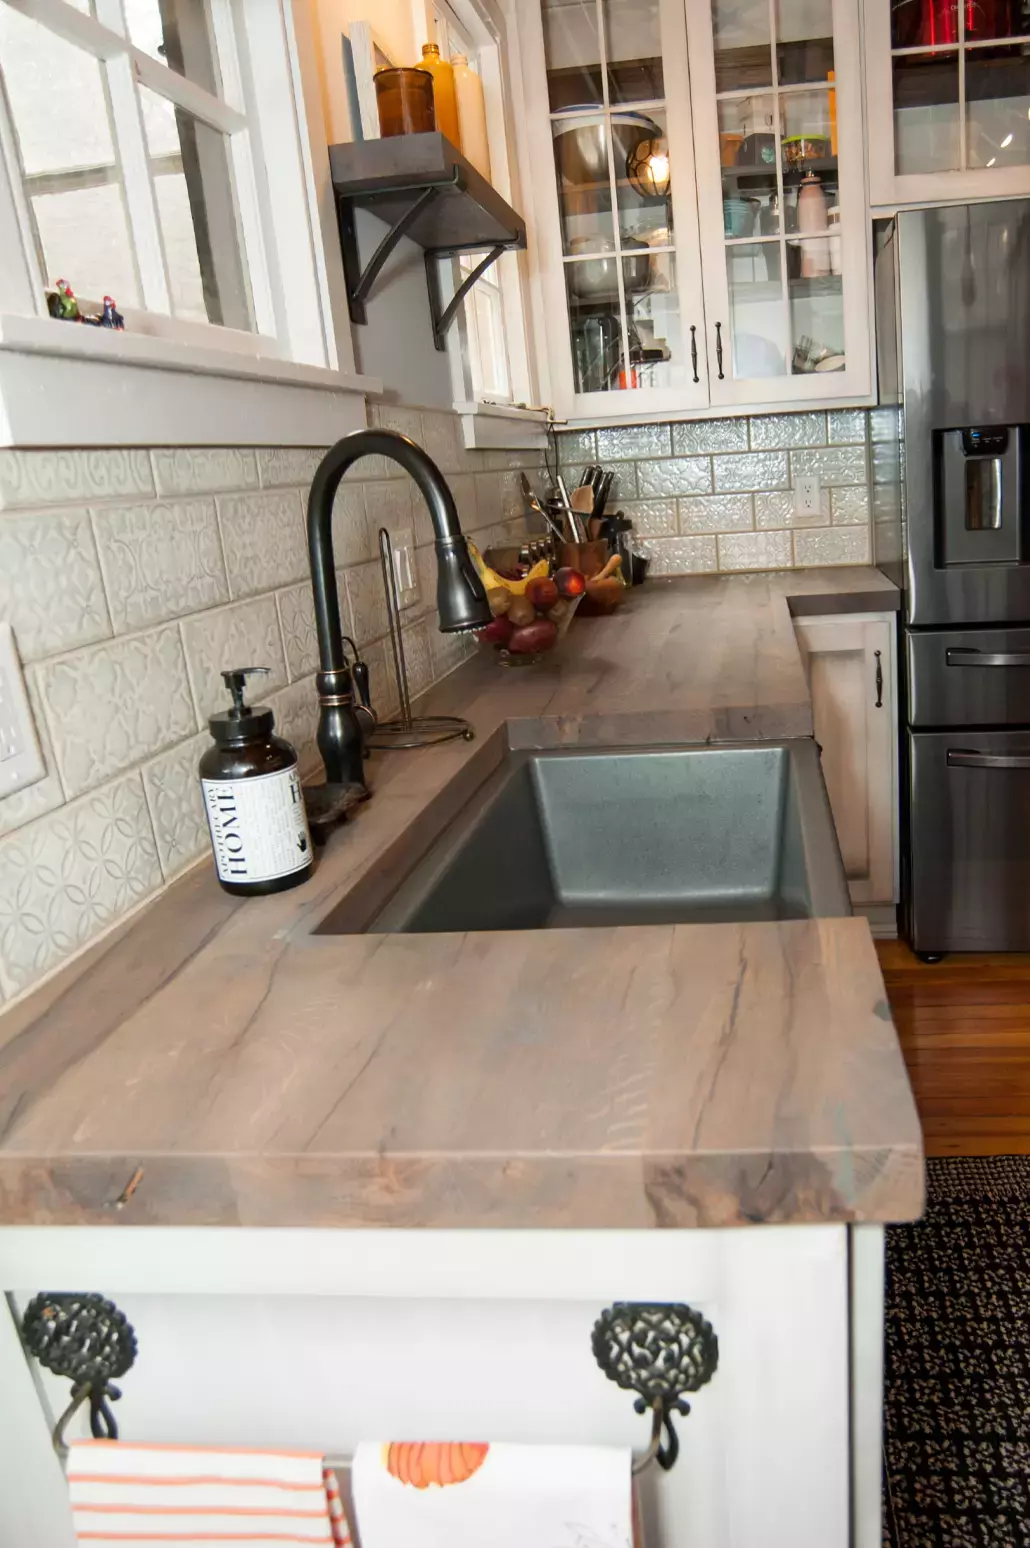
(531, 612)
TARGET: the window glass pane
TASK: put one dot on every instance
(816, 306)
(923, 23)
(804, 40)
(997, 106)
(808, 162)
(633, 39)
(743, 51)
(197, 213)
(178, 33)
(655, 334)
(593, 293)
(926, 121)
(642, 177)
(757, 316)
(584, 183)
(747, 149)
(996, 19)
(85, 240)
(573, 53)
(41, 70)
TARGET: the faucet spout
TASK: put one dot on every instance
(460, 596)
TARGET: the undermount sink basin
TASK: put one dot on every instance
(655, 836)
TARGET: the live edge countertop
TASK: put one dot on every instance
(218, 1062)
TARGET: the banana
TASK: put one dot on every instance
(491, 579)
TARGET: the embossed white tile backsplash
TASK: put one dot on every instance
(132, 579)
(718, 494)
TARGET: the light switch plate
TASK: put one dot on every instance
(21, 762)
(403, 547)
(807, 496)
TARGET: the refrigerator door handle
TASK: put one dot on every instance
(969, 758)
(967, 655)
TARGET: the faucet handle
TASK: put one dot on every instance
(363, 691)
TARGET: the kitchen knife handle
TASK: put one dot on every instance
(693, 350)
(967, 655)
(969, 758)
(718, 348)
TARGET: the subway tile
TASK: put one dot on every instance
(770, 432)
(680, 556)
(203, 470)
(847, 427)
(755, 551)
(775, 509)
(280, 466)
(172, 785)
(463, 488)
(832, 545)
(69, 874)
(888, 547)
(32, 801)
(296, 718)
(51, 589)
(366, 594)
(576, 450)
(297, 618)
(263, 537)
(111, 705)
(850, 505)
(489, 503)
(440, 434)
(75, 477)
(418, 658)
(674, 476)
(887, 503)
(406, 421)
(388, 503)
(246, 634)
(836, 465)
(751, 470)
(698, 436)
(448, 651)
(621, 443)
(652, 518)
(884, 424)
(352, 543)
(160, 561)
(716, 513)
(886, 462)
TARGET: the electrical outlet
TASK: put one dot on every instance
(21, 762)
(402, 546)
(808, 496)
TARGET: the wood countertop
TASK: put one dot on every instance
(217, 1061)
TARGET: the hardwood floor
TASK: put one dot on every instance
(964, 1025)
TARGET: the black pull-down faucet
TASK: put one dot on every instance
(460, 600)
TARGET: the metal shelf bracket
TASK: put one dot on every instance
(360, 282)
(442, 315)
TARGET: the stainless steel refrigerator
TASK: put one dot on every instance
(952, 527)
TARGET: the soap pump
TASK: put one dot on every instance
(253, 797)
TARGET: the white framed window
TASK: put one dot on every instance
(177, 175)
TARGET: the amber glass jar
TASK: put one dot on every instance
(404, 98)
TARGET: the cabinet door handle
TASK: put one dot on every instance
(966, 655)
(718, 348)
(966, 758)
(693, 350)
(879, 680)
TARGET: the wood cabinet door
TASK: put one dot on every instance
(850, 666)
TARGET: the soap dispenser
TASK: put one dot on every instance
(253, 798)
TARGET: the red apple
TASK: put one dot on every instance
(533, 637)
(496, 633)
(570, 582)
(543, 594)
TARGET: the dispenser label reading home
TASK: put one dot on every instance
(259, 828)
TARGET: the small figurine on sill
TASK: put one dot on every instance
(112, 317)
(61, 303)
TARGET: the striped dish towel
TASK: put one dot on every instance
(127, 1494)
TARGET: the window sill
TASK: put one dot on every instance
(502, 427)
(62, 385)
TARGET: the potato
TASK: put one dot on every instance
(500, 599)
(521, 612)
(533, 637)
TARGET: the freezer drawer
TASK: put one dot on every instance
(968, 677)
(969, 840)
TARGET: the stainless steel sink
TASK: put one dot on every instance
(650, 836)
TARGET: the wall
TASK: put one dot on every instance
(132, 578)
(716, 494)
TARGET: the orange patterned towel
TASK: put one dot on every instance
(134, 1496)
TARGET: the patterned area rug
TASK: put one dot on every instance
(957, 1376)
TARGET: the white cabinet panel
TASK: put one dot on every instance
(850, 665)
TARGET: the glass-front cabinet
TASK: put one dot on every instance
(696, 175)
(948, 99)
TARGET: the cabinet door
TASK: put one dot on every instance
(947, 99)
(611, 176)
(850, 665)
(778, 142)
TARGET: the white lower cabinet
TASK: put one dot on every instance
(850, 665)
